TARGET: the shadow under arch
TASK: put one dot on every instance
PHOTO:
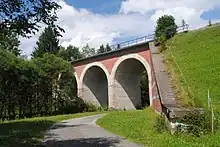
(94, 86)
(126, 81)
(75, 86)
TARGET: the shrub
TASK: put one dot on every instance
(70, 108)
(162, 42)
(140, 107)
(162, 47)
(91, 107)
(198, 122)
(160, 124)
(105, 108)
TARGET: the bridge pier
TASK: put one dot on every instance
(127, 92)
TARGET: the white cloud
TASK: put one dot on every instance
(144, 6)
(189, 10)
(82, 26)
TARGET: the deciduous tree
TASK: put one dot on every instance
(22, 17)
(166, 27)
(71, 53)
(10, 42)
(88, 51)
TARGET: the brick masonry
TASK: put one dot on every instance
(109, 63)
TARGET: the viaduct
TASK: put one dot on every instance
(112, 79)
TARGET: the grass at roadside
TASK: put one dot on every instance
(138, 126)
(198, 56)
(29, 132)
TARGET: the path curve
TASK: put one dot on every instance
(83, 132)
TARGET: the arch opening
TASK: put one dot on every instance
(131, 86)
(95, 86)
(75, 87)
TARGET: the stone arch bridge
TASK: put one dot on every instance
(112, 79)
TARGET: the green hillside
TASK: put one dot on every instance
(198, 55)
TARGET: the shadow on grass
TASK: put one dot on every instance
(85, 142)
(23, 133)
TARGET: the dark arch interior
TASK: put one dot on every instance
(75, 88)
(131, 75)
(95, 86)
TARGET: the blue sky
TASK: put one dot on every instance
(97, 6)
(113, 7)
(211, 14)
(99, 22)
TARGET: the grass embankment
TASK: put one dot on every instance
(30, 132)
(138, 126)
(198, 56)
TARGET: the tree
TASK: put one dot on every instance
(183, 24)
(71, 53)
(48, 42)
(87, 51)
(166, 27)
(37, 87)
(101, 49)
(10, 42)
(108, 48)
(210, 22)
(23, 16)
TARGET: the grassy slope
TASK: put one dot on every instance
(29, 132)
(137, 126)
(198, 55)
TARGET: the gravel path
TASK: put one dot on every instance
(83, 132)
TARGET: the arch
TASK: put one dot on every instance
(97, 66)
(142, 61)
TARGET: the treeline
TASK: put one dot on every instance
(39, 87)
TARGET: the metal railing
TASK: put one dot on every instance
(140, 40)
(132, 42)
(143, 39)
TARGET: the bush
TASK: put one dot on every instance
(91, 107)
(70, 108)
(162, 47)
(198, 122)
(160, 124)
(140, 107)
(76, 105)
(162, 42)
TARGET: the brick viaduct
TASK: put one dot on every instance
(112, 79)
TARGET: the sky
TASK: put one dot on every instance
(99, 22)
